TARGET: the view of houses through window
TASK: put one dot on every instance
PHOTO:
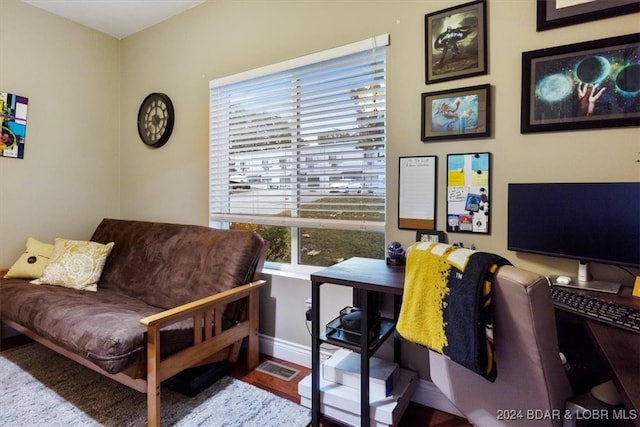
(297, 154)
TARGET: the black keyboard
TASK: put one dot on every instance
(597, 309)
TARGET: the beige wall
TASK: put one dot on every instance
(75, 171)
(69, 178)
(223, 37)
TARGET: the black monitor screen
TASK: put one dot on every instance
(584, 221)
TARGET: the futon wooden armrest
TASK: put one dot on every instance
(207, 341)
(3, 272)
(181, 312)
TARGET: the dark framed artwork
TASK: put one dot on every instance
(456, 42)
(468, 191)
(431, 236)
(585, 85)
(456, 113)
(561, 13)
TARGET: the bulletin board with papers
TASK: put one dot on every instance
(468, 183)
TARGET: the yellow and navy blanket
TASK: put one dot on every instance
(446, 305)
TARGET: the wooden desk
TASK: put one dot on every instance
(364, 275)
(621, 349)
(614, 352)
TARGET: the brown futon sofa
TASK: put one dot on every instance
(159, 281)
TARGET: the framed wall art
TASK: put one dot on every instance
(560, 13)
(456, 113)
(468, 184)
(13, 116)
(456, 42)
(431, 236)
(417, 193)
(582, 86)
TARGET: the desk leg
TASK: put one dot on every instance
(397, 344)
(364, 359)
(315, 354)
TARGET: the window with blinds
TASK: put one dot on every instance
(297, 153)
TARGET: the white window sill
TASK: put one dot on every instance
(295, 272)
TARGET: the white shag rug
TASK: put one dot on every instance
(38, 387)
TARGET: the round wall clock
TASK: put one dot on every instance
(155, 119)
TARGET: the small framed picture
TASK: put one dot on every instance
(457, 113)
(432, 236)
(579, 86)
(456, 42)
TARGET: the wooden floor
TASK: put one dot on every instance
(415, 415)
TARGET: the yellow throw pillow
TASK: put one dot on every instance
(31, 264)
(75, 264)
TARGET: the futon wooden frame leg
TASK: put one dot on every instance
(153, 377)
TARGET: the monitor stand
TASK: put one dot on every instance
(592, 285)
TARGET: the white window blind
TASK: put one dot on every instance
(302, 143)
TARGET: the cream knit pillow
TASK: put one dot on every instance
(75, 264)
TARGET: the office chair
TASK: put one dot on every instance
(532, 387)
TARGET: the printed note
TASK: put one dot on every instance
(417, 188)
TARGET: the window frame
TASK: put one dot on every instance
(223, 220)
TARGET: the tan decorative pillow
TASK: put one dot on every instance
(31, 264)
(75, 264)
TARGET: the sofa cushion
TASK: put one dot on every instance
(75, 264)
(103, 327)
(166, 265)
(31, 263)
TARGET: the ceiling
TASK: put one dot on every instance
(118, 18)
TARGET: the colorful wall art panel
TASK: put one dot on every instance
(13, 113)
(468, 193)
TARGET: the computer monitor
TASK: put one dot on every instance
(588, 222)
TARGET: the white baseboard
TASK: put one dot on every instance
(291, 352)
(426, 393)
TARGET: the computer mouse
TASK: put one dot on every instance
(563, 280)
